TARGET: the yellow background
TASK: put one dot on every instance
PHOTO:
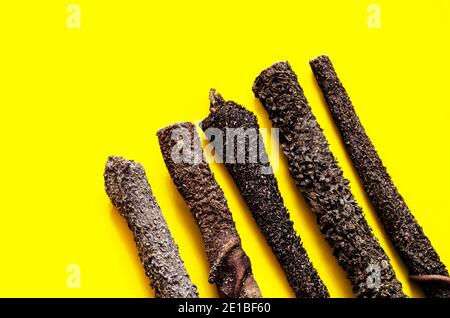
(71, 97)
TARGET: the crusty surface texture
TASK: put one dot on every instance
(320, 180)
(127, 186)
(406, 234)
(260, 192)
(230, 267)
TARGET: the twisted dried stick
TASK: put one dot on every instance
(230, 267)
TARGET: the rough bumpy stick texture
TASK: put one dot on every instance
(230, 267)
(318, 176)
(405, 233)
(127, 186)
(259, 188)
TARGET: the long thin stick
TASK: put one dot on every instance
(127, 186)
(259, 188)
(319, 178)
(230, 267)
(400, 224)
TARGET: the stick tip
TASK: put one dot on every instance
(167, 130)
(323, 58)
(267, 75)
(215, 99)
(114, 161)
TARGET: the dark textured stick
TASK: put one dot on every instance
(400, 224)
(259, 188)
(230, 266)
(319, 178)
(127, 186)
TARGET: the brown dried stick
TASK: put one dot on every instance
(320, 179)
(127, 186)
(400, 224)
(230, 266)
(259, 189)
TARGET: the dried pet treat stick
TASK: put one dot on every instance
(401, 226)
(230, 267)
(259, 188)
(318, 176)
(127, 186)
